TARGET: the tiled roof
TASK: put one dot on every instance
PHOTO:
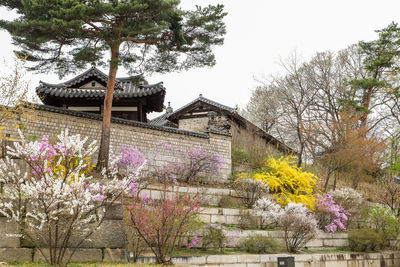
(204, 100)
(118, 120)
(232, 112)
(124, 88)
(160, 120)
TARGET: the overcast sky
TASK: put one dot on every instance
(259, 34)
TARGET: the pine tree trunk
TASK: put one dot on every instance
(366, 103)
(102, 161)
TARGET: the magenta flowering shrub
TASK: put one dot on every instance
(160, 222)
(129, 157)
(190, 165)
(127, 161)
(200, 163)
(193, 243)
(331, 216)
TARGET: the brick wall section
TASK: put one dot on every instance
(148, 140)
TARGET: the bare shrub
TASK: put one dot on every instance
(249, 190)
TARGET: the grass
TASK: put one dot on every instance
(327, 251)
(201, 252)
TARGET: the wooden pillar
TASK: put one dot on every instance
(140, 112)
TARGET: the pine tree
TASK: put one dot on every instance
(152, 35)
(381, 58)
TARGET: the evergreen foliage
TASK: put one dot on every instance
(145, 35)
(380, 62)
(156, 34)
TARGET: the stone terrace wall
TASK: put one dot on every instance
(150, 140)
(384, 259)
(106, 243)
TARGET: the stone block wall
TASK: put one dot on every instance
(211, 196)
(153, 141)
(109, 242)
(106, 243)
(387, 259)
(194, 124)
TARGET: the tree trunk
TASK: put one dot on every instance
(366, 103)
(102, 161)
(357, 176)
(334, 182)
(328, 176)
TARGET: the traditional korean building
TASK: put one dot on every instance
(206, 115)
(133, 96)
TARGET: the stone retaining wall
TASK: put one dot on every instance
(384, 259)
(107, 242)
(153, 141)
(212, 196)
(324, 241)
(80, 255)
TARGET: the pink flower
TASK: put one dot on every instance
(98, 197)
(133, 188)
(194, 242)
(339, 215)
(130, 157)
(144, 197)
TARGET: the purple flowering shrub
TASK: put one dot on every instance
(127, 161)
(193, 243)
(352, 201)
(330, 215)
(190, 165)
(129, 157)
(200, 163)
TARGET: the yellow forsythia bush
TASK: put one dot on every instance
(287, 182)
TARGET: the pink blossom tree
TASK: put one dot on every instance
(160, 222)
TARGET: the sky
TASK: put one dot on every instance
(260, 33)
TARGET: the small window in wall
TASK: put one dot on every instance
(93, 84)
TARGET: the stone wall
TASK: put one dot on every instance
(153, 141)
(106, 243)
(384, 259)
(251, 141)
(194, 124)
(242, 135)
(323, 241)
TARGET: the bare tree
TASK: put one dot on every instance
(14, 91)
(306, 106)
(16, 98)
(281, 105)
(264, 108)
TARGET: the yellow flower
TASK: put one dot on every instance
(287, 182)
